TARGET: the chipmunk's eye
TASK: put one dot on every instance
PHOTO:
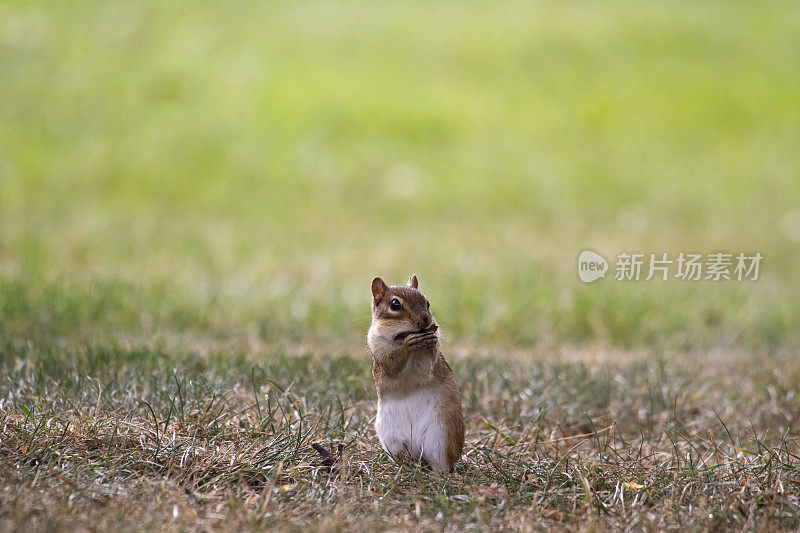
(395, 305)
(428, 303)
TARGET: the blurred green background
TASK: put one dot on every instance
(235, 173)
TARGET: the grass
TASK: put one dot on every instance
(194, 197)
(217, 170)
(115, 439)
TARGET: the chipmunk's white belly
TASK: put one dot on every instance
(410, 423)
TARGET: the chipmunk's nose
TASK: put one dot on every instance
(424, 322)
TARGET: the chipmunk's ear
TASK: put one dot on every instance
(378, 289)
(412, 281)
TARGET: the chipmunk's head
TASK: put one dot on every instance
(399, 310)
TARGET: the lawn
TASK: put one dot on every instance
(194, 197)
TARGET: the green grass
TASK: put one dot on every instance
(219, 169)
(194, 197)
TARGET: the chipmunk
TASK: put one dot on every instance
(419, 404)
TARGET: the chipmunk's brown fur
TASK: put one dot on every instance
(419, 404)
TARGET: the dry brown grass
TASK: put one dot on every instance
(108, 440)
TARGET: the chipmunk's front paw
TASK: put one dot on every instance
(426, 339)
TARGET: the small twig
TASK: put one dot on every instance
(582, 435)
(329, 459)
(99, 395)
(268, 497)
